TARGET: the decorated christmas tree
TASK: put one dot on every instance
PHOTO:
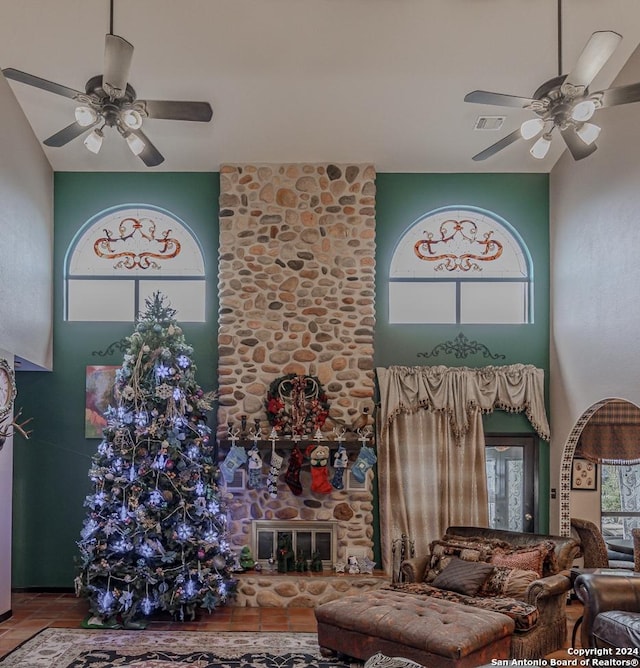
(154, 538)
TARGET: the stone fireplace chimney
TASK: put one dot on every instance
(297, 296)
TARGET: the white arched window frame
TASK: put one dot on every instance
(461, 265)
(122, 255)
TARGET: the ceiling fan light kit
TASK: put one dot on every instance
(110, 101)
(135, 143)
(564, 103)
(541, 147)
(584, 110)
(85, 116)
(131, 118)
(588, 132)
(93, 141)
(531, 128)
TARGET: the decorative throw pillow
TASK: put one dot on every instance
(529, 559)
(510, 582)
(463, 577)
(549, 566)
(479, 542)
(442, 551)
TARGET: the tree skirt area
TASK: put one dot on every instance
(81, 648)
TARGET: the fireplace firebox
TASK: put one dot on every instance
(307, 538)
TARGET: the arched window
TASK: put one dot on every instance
(461, 265)
(123, 255)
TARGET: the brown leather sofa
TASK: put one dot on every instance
(416, 620)
(548, 594)
(611, 610)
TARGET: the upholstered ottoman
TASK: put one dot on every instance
(433, 632)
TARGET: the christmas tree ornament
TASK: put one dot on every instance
(292, 475)
(319, 458)
(154, 538)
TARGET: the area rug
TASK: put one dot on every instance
(81, 648)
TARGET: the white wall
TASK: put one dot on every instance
(26, 277)
(595, 278)
(26, 237)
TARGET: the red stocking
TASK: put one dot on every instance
(319, 456)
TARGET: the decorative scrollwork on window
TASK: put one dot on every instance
(135, 245)
(456, 236)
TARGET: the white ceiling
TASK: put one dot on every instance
(378, 81)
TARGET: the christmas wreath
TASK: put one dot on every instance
(296, 405)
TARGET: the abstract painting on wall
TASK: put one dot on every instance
(100, 380)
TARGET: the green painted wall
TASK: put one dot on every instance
(522, 200)
(51, 468)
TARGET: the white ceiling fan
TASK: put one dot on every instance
(563, 104)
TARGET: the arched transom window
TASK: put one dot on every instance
(121, 256)
(461, 265)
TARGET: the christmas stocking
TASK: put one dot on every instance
(274, 471)
(292, 476)
(255, 468)
(235, 458)
(366, 459)
(340, 462)
(319, 456)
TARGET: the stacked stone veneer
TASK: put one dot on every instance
(301, 591)
(296, 295)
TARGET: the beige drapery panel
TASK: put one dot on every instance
(431, 457)
(428, 480)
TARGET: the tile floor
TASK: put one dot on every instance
(35, 611)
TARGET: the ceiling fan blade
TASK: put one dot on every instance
(620, 95)
(595, 54)
(176, 110)
(499, 99)
(118, 54)
(149, 154)
(37, 82)
(498, 146)
(576, 146)
(65, 135)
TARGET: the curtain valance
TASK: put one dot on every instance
(456, 390)
(612, 435)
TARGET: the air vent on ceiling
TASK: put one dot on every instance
(489, 122)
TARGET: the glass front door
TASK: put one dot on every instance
(511, 472)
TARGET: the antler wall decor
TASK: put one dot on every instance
(8, 429)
